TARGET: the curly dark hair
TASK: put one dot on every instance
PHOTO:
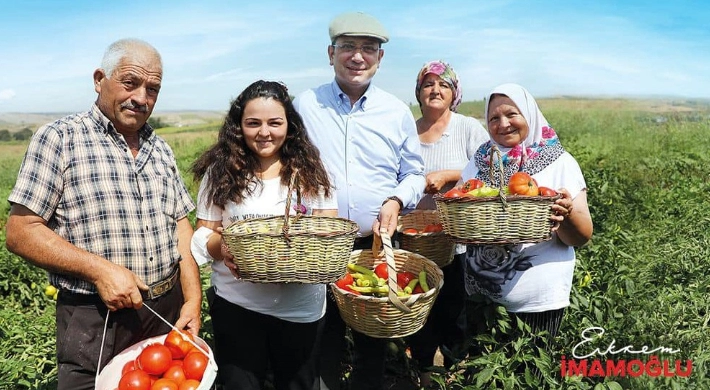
(231, 166)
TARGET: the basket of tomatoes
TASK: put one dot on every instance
(516, 213)
(176, 360)
(421, 232)
(388, 293)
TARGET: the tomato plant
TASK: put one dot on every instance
(135, 380)
(522, 184)
(155, 359)
(195, 364)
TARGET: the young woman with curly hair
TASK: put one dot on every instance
(245, 175)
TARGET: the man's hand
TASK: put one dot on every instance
(388, 218)
(120, 288)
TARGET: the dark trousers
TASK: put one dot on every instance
(445, 327)
(368, 353)
(80, 326)
(248, 343)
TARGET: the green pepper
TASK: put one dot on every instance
(411, 285)
(358, 268)
(373, 280)
(422, 281)
(371, 290)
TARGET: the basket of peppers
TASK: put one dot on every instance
(387, 293)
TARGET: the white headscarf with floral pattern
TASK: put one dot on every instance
(540, 148)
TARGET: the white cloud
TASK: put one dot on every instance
(6, 94)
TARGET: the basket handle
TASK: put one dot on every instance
(293, 185)
(386, 242)
(495, 151)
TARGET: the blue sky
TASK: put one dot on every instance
(213, 49)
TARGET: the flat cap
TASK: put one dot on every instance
(357, 24)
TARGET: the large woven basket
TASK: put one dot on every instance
(291, 248)
(391, 316)
(502, 219)
(511, 219)
(435, 246)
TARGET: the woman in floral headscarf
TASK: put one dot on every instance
(532, 281)
(448, 141)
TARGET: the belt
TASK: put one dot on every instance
(155, 290)
(162, 287)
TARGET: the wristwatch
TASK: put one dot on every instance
(396, 199)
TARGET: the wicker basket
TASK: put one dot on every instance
(435, 246)
(392, 316)
(502, 219)
(291, 248)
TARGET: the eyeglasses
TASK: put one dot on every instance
(364, 49)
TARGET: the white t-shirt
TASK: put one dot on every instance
(288, 301)
(547, 283)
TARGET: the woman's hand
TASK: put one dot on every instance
(562, 208)
(227, 255)
(573, 222)
(434, 182)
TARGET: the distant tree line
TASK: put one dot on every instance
(26, 133)
(22, 135)
(156, 123)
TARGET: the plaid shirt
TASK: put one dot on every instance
(80, 176)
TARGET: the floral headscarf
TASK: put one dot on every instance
(540, 148)
(446, 72)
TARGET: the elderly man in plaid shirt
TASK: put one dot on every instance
(100, 204)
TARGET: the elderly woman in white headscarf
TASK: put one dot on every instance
(532, 281)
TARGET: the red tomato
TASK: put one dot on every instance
(522, 184)
(164, 384)
(404, 277)
(134, 380)
(433, 228)
(471, 184)
(178, 344)
(547, 191)
(176, 362)
(454, 193)
(175, 373)
(129, 366)
(345, 281)
(190, 384)
(381, 270)
(410, 231)
(418, 290)
(195, 364)
(155, 359)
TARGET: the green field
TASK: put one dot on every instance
(642, 278)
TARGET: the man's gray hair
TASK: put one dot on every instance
(121, 49)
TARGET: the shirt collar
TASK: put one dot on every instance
(343, 100)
